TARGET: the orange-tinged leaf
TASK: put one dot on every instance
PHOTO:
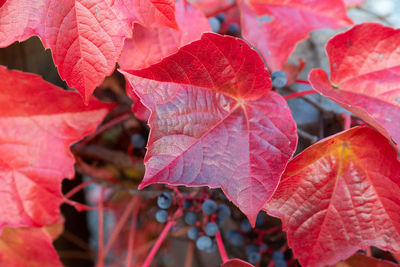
(214, 121)
(340, 195)
(22, 247)
(365, 75)
(38, 123)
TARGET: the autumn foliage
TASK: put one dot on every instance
(216, 120)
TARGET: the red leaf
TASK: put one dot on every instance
(358, 260)
(365, 75)
(140, 110)
(339, 195)
(38, 123)
(150, 46)
(86, 36)
(236, 263)
(151, 13)
(213, 122)
(27, 247)
(275, 27)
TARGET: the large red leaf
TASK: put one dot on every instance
(147, 46)
(236, 263)
(38, 123)
(86, 36)
(275, 27)
(339, 195)
(365, 75)
(214, 122)
(31, 247)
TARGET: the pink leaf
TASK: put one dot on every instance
(340, 195)
(150, 13)
(38, 123)
(214, 122)
(275, 27)
(147, 46)
(365, 75)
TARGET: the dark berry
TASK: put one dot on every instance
(235, 238)
(193, 233)
(209, 207)
(224, 212)
(138, 140)
(277, 255)
(203, 242)
(254, 257)
(211, 229)
(263, 247)
(260, 220)
(164, 201)
(215, 24)
(212, 248)
(190, 218)
(187, 204)
(278, 79)
(233, 29)
(221, 17)
(245, 226)
(161, 216)
(251, 248)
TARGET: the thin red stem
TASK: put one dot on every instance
(121, 222)
(100, 260)
(103, 128)
(221, 247)
(132, 232)
(303, 82)
(77, 188)
(158, 243)
(298, 94)
(347, 121)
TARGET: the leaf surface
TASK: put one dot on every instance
(31, 247)
(340, 195)
(38, 123)
(361, 260)
(214, 121)
(365, 75)
(149, 46)
(151, 13)
(236, 263)
(275, 27)
(85, 36)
